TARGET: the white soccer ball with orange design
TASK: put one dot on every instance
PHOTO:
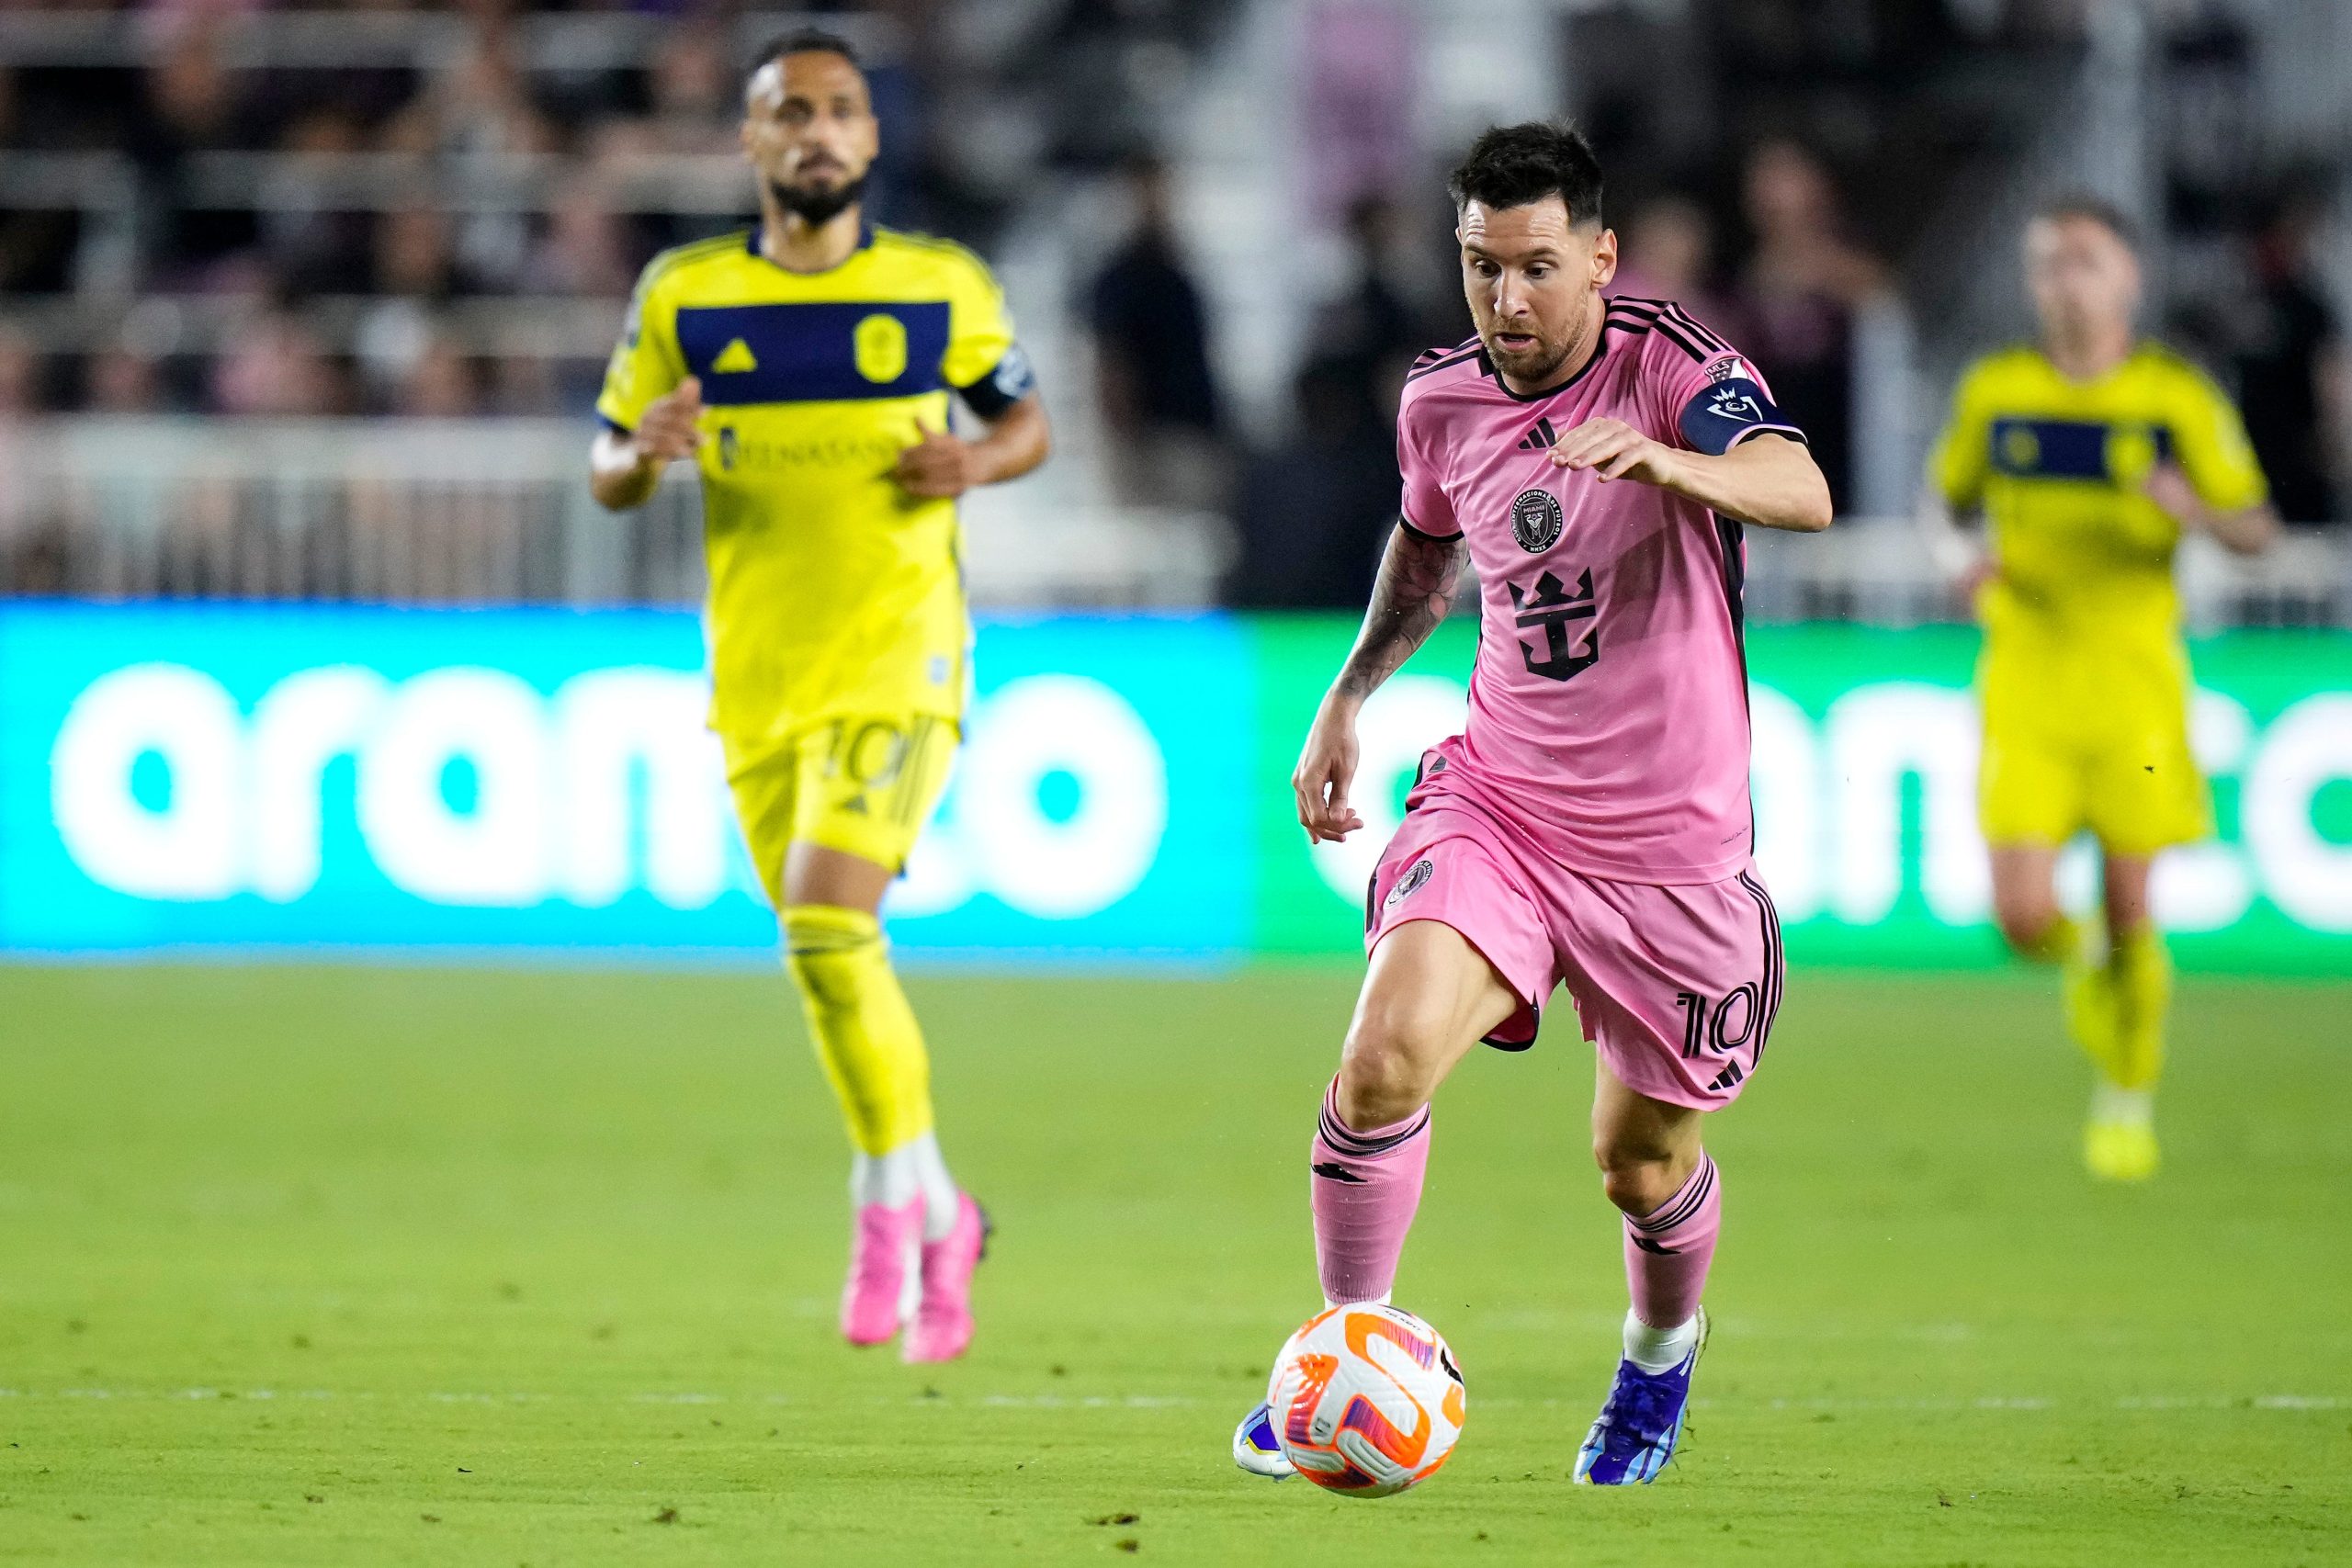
(1367, 1399)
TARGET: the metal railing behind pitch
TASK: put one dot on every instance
(465, 512)
(431, 511)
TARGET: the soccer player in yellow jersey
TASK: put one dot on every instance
(2087, 456)
(806, 367)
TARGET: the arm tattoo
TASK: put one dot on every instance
(1418, 576)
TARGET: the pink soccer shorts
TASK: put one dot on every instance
(1676, 985)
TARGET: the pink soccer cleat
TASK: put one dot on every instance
(877, 1270)
(942, 1325)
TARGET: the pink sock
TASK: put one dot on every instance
(1366, 1187)
(1667, 1250)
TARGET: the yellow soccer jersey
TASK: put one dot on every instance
(833, 591)
(2058, 468)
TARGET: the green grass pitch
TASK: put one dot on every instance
(401, 1266)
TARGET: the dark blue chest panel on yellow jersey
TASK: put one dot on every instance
(2071, 448)
(813, 352)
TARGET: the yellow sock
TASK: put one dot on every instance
(2087, 983)
(2140, 973)
(865, 1031)
(2061, 943)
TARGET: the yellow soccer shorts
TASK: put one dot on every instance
(2117, 763)
(864, 786)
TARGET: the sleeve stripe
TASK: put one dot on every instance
(1428, 353)
(1675, 335)
(1435, 365)
(1420, 533)
(616, 427)
(1682, 318)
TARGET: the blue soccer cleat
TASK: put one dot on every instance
(1255, 1447)
(1640, 1424)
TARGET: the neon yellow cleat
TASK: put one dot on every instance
(2120, 1151)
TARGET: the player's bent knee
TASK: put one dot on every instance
(1390, 1067)
(1636, 1180)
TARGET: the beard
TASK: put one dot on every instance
(815, 207)
(1536, 364)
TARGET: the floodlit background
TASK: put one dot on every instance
(406, 1151)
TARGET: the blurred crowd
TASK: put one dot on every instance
(495, 203)
(499, 189)
(402, 268)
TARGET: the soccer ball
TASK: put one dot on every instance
(1367, 1399)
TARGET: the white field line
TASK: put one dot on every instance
(2274, 1402)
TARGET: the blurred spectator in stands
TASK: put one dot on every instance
(695, 93)
(416, 272)
(21, 374)
(36, 247)
(1798, 295)
(1667, 251)
(415, 254)
(479, 107)
(316, 249)
(440, 383)
(2294, 380)
(584, 250)
(188, 102)
(1151, 356)
(1368, 334)
(121, 380)
(1313, 513)
(479, 103)
(277, 367)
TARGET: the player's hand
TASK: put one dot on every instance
(671, 427)
(1614, 450)
(939, 467)
(1326, 768)
(2170, 490)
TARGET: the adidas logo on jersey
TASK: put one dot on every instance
(1540, 439)
(735, 359)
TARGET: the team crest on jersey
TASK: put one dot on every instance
(1537, 520)
(1415, 877)
(880, 344)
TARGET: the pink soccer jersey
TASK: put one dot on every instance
(1609, 706)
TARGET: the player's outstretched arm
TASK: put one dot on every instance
(1766, 480)
(1415, 588)
(943, 466)
(625, 465)
(2245, 530)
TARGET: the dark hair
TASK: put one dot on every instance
(2097, 209)
(807, 40)
(1511, 165)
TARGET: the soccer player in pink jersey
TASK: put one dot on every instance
(1596, 460)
